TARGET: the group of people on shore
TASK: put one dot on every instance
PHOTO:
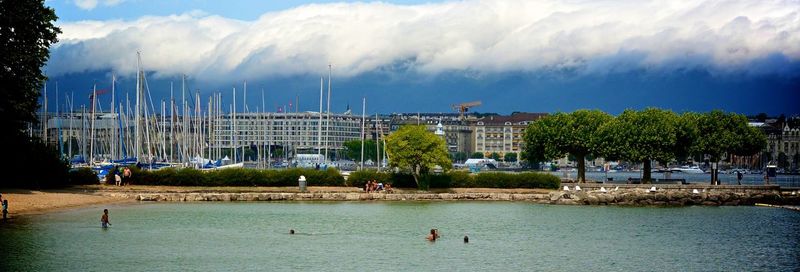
(375, 186)
(125, 179)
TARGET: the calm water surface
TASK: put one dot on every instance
(389, 236)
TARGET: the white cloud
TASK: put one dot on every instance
(91, 4)
(478, 36)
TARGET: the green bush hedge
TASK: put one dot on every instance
(459, 179)
(82, 176)
(329, 177)
(235, 177)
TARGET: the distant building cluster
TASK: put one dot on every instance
(297, 133)
(783, 141)
(178, 138)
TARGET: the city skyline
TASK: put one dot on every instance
(537, 57)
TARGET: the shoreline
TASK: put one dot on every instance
(24, 202)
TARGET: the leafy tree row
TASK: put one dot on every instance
(641, 136)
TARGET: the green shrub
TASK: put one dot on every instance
(82, 176)
(329, 177)
(521, 180)
(460, 179)
(359, 178)
(404, 180)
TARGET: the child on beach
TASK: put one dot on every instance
(104, 219)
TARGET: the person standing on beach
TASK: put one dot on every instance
(5, 209)
(104, 219)
(739, 177)
(126, 176)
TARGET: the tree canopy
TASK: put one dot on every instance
(417, 150)
(476, 155)
(564, 133)
(27, 30)
(723, 133)
(640, 136)
(510, 157)
(352, 150)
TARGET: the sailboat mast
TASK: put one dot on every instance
(71, 126)
(113, 131)
(319, 125)
(377, 143)
(58, 125)
(363, 132)
(91, 132)
(328, 124)
(171, 123)
(233, 122)
(137, 130)
(244, 109)
(263, 126)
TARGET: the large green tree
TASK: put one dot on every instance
(26, 33)
(476, 155)
(27, 30)
(564, 133)
(417, 150)
(721, 134)
(352, 150)
(459, 156)
(641, 136)
(510, 157)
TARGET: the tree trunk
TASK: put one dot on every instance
(646, 177)
(416, 175)
(714, 177)
(581, 168)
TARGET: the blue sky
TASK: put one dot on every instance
(422, 56)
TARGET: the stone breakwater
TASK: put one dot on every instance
(627, 197)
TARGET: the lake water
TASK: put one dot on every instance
(389, 236)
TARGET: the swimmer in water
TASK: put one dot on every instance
(433, 235)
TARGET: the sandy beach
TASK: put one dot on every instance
(24, 202)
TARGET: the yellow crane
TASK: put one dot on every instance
(464, 107)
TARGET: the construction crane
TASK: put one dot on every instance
(91, 97)
(464, 107)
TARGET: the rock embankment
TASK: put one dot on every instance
(669, 198)
(629, 197)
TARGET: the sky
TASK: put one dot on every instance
(423, 56)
